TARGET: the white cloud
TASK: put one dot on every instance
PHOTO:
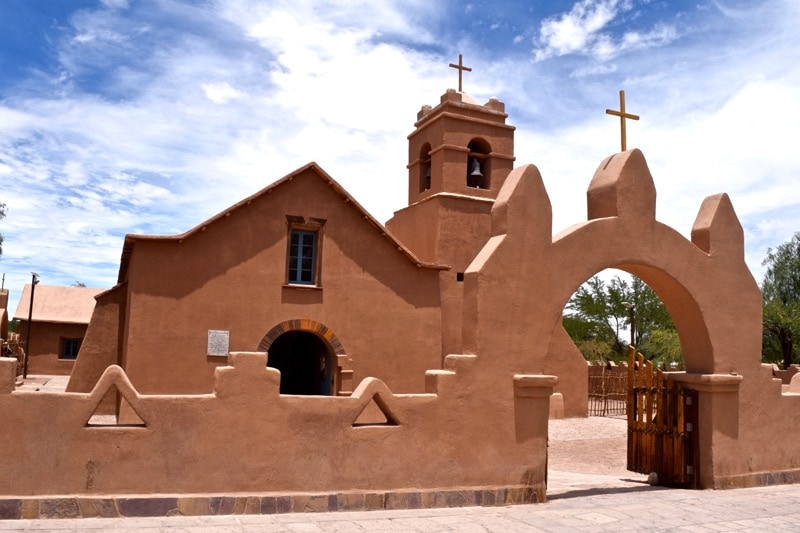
(72, 174)
(115, 4)
(98, 35)
(580, 32)
(576, 31)
(660, 35)
(220, 93)
(411, 19)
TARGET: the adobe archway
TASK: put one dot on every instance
(516, 288)
(316, 337)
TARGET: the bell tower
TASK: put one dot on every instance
(459, 156)
(459, 147)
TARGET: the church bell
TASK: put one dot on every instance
(476, 168)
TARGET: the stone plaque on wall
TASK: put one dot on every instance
(218, 342)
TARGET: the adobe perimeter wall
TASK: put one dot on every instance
(247, 438)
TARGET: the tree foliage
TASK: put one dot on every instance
(781, 291)
(597, 314)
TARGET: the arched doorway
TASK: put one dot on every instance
(306, 347)
(304, 362)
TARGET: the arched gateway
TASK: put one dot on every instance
(704, 284)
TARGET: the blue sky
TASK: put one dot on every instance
(149, 116)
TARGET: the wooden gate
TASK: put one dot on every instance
(662, 425)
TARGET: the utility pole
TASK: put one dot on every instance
(34, 281)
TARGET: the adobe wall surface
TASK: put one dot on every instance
(568, 363)
(448, 229)
(46, 344)
(247, 438)
(785, 375)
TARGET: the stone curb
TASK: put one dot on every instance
(150, 506)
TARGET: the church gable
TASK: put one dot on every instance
(295, 208)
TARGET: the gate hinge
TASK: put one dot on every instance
(689, 470)
(688, 426)
(688, 400)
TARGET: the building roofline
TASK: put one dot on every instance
(131, 239)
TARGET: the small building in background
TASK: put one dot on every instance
(60, 317)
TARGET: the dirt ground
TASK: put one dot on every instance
(589, 455)
(593, 445)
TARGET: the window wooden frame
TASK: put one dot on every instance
(69, 347)
(304, 234)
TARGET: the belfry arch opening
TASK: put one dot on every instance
(425, 167)
(478, 164)
(304, 361)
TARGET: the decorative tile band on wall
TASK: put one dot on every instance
(758, 479)
(123, 506)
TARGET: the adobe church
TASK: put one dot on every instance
(300, 270)
(292, 354)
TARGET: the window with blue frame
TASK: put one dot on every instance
(304, 250)
(302, 257)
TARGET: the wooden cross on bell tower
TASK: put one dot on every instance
(622, 116)
(461, 68)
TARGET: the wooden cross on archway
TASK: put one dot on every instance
(461, 68)
(622, 116)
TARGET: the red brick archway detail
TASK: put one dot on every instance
(302, 324)
(343, 372)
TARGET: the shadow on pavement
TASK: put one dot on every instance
(596, 491)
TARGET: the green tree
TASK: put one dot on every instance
(597, 314)
(663, 348)
(781, 291)
(584, 335)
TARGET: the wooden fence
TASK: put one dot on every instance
(662, 425)
(608, 390)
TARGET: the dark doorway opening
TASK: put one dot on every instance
(304, 362)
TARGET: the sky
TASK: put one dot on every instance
(150, 116)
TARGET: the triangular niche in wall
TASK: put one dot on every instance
(127, 417)
(374, 415)
(111, 390)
